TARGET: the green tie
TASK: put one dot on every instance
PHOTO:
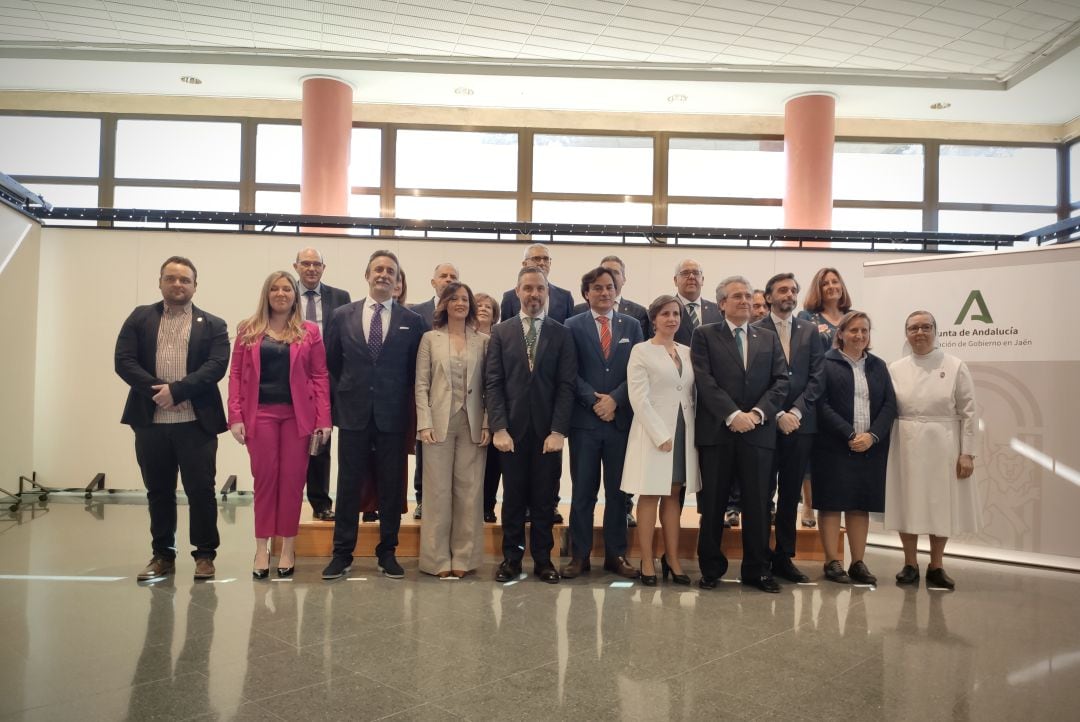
(738, 344)
(530, 342)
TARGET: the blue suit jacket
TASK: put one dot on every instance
(560, 304)
(804, 370)
(366, 388)
(597, 374)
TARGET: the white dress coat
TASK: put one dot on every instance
(657, 392)
(935, 423)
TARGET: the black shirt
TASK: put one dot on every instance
(274, 372)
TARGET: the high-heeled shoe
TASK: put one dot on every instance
(666, 569)
(648, 580)
(260, 573)
(286, 571)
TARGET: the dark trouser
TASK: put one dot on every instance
(719, 466)
(589, 450)
(418, 474)
(318, 480)
(789, 465)
(368, 454)
(162, 449)
(529, 481)
(492, 472)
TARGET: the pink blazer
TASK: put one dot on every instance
(307, 381)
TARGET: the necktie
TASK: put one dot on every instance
(785, 338)
(605, 335)
(530, 342)
(375, 338)
(739, 345)
(311, 315)
(691, 308)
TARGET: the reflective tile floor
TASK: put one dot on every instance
(92, 644)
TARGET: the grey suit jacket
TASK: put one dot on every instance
(434, 393)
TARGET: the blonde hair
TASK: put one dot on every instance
(252, 329)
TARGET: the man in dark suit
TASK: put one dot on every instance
(530, 396)
(317, 302)
(600, 424)
(443, 275)
(796, 421)
(624, 306)
(559, 304)
(172, 354)
(697, 311)
(741, 378)
(371, 356)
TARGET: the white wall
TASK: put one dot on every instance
(92, 278)
(19, 245)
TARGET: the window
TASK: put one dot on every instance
(998, 174)
(69, 196)
(455, 209)
(877, 219)
(1074, 172)
(721, 216)
(36, 145)
(595, 213)
(456, 160)
(992, 222)
(592, 164)
(201, 199)
(878, 171)
(178, 150)
(278, 151)
(726, 168)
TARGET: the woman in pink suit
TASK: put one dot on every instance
(278, 397)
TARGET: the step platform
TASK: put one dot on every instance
(316, 538)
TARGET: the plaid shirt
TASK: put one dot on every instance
(171, 364)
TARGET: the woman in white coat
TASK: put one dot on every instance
(661, 457)
(928, 487)
(452, 425)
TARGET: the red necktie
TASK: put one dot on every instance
(605, 336)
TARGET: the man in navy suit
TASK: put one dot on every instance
(741, 377)
(624, 306)
(559, 304)
(796, 421)
(697, 311)
(443, 275)
(530, 381)
(318, 302)
(371, 356)
(600, 423)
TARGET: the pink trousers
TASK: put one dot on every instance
(279, 459)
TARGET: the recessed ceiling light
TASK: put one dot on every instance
(940, 105)
(190, 80)
(463, 91)
(677, 98)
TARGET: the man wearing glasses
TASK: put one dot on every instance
(697, 311)
(560, 302)
(317, 302)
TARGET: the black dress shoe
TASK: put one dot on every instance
(938, 578)
(508, 571)
(785, 569)
(576, 567)
(370, 516)
(908, 575)
(546, 573)
(834, 572)
(631, 522)
(337, 568)
(324, 515)
(557, 518)
(708, 582)
(490, 518)
(389, 566)
(649, 580)
(860, 574)
(284, 572)
(765, 583)
(666, 569)
(260, 573)
(619, 565)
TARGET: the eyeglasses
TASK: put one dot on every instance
(689, 274)
(539, 259)
(923, 327)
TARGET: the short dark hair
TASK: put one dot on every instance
(777, 279)
(590, 278)
(531, 269)
(376, 254)
(658, 303)
(442, 315)
(183, 262)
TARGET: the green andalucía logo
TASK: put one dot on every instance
(975, 298)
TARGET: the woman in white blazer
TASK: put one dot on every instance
(452, 424)
(661, 457)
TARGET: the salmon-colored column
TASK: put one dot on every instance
(809, 136)
(326, 123)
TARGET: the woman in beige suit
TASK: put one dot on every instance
(661, 458)
(452, 425)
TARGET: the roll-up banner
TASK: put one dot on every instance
(1013, 316)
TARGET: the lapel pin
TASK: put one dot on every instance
(942, 374)
(198, 320)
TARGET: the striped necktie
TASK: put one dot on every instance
(605, 335)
